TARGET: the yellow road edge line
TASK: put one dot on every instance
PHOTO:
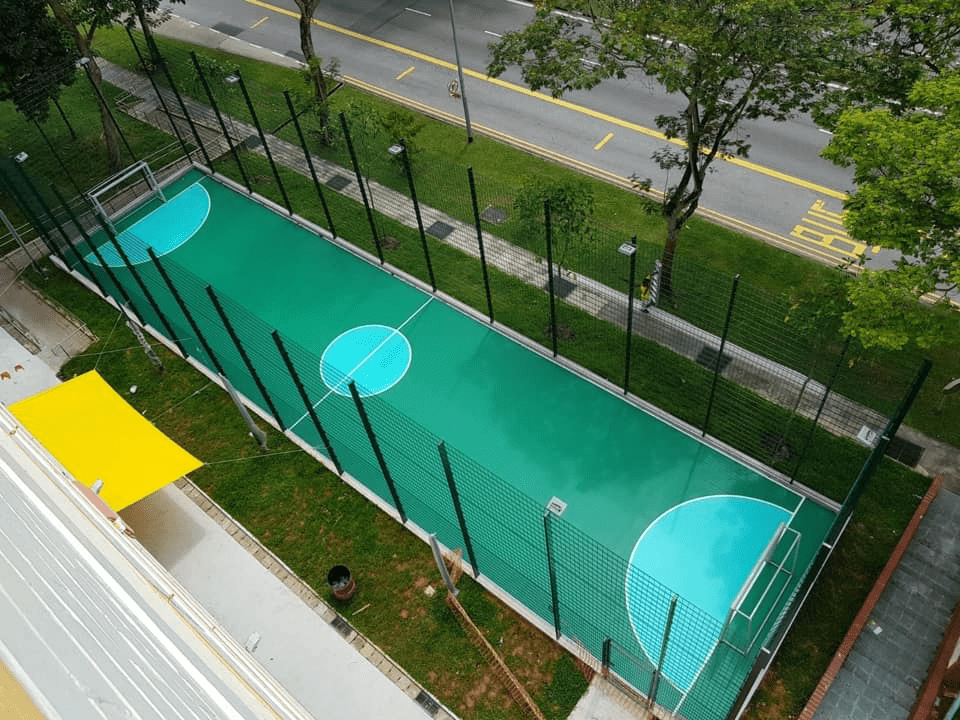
(606, 139)
(406, 72)
(259, 22)
(809, 250)
(626, 124)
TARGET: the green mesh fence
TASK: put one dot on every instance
(767, 386)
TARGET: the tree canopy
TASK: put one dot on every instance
(36, 58)
(731, 61)
(907, 199)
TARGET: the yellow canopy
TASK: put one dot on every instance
(95, 434)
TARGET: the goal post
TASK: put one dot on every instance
(763, 589)
(125, 191)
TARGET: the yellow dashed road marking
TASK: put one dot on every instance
(603, 142)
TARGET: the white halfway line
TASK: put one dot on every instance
(349, 375)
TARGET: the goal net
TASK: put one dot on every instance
(763, 590)
(122, 193)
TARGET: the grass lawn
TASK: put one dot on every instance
(308, 517)
(333, 524)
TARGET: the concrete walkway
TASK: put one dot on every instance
(884, 670)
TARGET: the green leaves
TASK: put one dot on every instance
(36, 59)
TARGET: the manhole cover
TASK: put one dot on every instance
(439, 230)
(338, 182)
(493, 215)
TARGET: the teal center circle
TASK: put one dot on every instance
(375, 357)
(703, 551)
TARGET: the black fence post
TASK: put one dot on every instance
(655, 680)
(223, 125)
(66, 120)
(363, 189)
(823, 401)
(309, 159)
(143, 287)
(401, 149)
(45, 208)
(551, 570)
(53, 151)
(553, 303)
(186, 115)
(186, 313)
(455, 494)
(243, 355)
(156, 89)
(263, 138)
(873, 461)
(719, 361)
(83, 233)
(631, 288)
(605, 657)
(23, 203)
(85, 62)
(106, 268)
(294, 375)
(483, 256)
(374, 443)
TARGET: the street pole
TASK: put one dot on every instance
(463, 90)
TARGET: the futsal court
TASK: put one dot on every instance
(649, 511)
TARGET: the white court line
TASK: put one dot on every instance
(369, 355)
(418, 12)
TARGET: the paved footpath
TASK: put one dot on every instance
(882, 675)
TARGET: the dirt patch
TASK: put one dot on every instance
(771, 702)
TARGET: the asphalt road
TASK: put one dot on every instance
(784, 193)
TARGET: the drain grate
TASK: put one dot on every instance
(342, 626)
(227, 29)
(904, 451)
(439, 230)
(493, 215)
(561, 287)
(708, 358)
(338, 182)
(428, 703)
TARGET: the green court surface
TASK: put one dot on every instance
(651, 512)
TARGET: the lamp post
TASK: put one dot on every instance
(463, 90)
(401, 150)
(236, 78)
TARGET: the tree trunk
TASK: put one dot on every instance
(155, 57)
(110, 137)
(669, 252)
(314, 65)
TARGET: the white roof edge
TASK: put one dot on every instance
(165, 606)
